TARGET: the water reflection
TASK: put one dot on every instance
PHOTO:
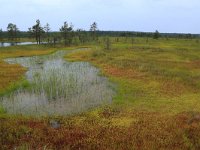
(58, 87)
(6, 44)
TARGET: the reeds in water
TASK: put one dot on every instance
(58, 87)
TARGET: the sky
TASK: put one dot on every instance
(172, 16)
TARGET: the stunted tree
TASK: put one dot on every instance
(156, 34)
(12, 31)
(82, 35)
(107, 43)
(47, 29)
(1, 34)
(93, 30)
(132, 41)
(37, 31)
(55, 39)
(66, 31)
(30, 32)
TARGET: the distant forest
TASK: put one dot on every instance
(69, 36)
(26, 34)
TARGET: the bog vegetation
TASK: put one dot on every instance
(156, 105)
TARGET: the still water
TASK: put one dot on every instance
(58, 87)
(6, 44)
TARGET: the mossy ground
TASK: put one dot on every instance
(156, 105)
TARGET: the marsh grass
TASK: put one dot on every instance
(12, 73)
(57, 87)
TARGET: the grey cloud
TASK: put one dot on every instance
(141, 15)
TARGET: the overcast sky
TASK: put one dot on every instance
(126, 15)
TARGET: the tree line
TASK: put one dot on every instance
(67, 34)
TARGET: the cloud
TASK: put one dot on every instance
(143, 15)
